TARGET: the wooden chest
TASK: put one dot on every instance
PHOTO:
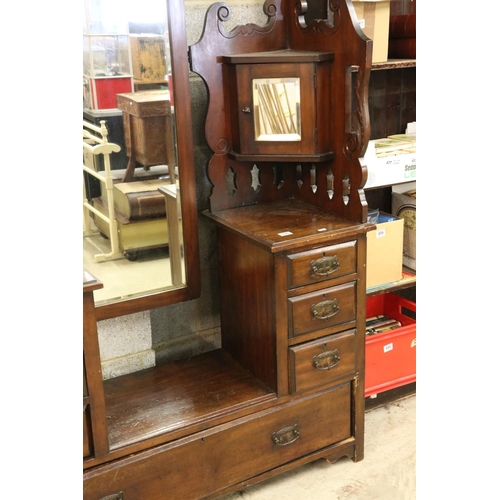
(147, 126)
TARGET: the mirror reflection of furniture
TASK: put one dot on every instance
(172, 205)
(147, 124)
(131, 215)
(160, 149)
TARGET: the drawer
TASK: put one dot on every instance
(321, 264)
(228, 454)
(321, 361)
(323, 309)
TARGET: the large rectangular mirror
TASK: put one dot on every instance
(140, 219)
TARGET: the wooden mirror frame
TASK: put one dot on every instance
(184, 136)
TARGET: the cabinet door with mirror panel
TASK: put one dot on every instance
(140, 219)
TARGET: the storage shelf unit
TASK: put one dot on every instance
(392, 105)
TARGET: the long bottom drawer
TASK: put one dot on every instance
(209, 461)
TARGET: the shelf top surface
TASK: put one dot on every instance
(286, 224)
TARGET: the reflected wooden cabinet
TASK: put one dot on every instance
(147, 124)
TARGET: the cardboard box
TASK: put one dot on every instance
(373, 17)
(404, 205)
(148, 57)
(384, 259)
(395, 168)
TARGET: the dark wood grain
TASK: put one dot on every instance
(255, 408)
(94, 423)
(226, 455)
(342, 129)
(158, 400)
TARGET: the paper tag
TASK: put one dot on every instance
(380, 233)
(361, 23)
(413, 343)
(285, 233)
(388, 347)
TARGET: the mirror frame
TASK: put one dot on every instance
(187, 181)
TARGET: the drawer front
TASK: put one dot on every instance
(321, 264)
(228, 454)
(322, 361)
(322, 309)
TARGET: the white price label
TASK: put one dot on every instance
(380, 233)
(388, 347)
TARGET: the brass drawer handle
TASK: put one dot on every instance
(324, 266)
(325, 309)
(326, 360)
(287, 435)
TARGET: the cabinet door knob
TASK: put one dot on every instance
(326, 360)
(325, 309)
(324, 266)
(246, 110)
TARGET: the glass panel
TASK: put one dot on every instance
(277, 109)
(105, 16)
(106, 56)
(131, 253)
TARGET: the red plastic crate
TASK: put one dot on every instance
(104, 91)
(391, 357)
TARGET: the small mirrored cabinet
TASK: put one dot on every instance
(279, 105)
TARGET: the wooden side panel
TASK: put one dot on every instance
(92, 362)
(247, 305)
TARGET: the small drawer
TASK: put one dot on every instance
(321, 264)
(322, 361)
(323, 309)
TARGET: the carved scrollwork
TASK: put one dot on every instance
(354, 139)
(328, 25)
(224, 15)
(222, 146)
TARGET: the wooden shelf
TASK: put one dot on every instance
(395, 64)
(171, 396)
(409, 279)
(392, 64)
